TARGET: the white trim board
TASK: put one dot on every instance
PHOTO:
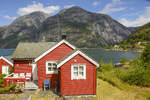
(58, 44)
(6, 60)
(74, 54)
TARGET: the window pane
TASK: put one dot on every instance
(54, 64)
(81, 68)
(75, 69)
(49, 69)
(75, 73)
(49, 64)
(80, 73)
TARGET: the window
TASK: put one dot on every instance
(51, 67)
(78, 71)
(5, 70)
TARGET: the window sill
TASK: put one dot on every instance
(52, 72)
(78, 79)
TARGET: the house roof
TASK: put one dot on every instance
(7, 59)
(73, 54)
(31, 50)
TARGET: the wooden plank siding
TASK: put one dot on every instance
(55, 55)
(22, 66)
(4, 63)
(81, 86)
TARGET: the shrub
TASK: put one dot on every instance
(2, 76)
(10, 88)
(19, 88)
(123, 61)
(1, 90)
(105, 66)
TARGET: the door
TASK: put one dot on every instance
(34, 71)
(5, 70)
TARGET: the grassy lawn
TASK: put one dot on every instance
(106, 91)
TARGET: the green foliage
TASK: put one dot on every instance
(140, 35)
(123, 61)
(1, 90)
(105, 66)
(137, 74)
(11, 70)
(10, 88)
(146, 56)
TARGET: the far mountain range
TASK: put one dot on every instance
(82, 28)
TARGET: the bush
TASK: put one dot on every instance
(105, 66)
(10, 88)
(1, 90)
(123, 61)
(137, 75)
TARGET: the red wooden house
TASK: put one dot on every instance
(5, 64)
(60, 62)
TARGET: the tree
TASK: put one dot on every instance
(146, 56)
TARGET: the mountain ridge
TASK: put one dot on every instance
(82, 28)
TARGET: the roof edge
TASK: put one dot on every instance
(74, 54)
(2, 57)
(55, 46)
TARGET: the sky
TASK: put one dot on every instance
(130, 13)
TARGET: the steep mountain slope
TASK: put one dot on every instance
(140, 35)
(21, 29)
(82, 28)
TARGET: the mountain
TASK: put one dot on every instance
(82, 28)
(132, 29)
(21, 29)
(140, 35)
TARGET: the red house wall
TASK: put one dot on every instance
(78, 87)
(54, 55)
(4, 63)
(22, 66)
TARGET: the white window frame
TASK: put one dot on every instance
(78, 77)
(7, 69)
(50, 72)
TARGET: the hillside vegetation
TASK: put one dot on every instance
(138, 38)
(136, 75)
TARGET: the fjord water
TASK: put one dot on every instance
(97, 53)
(100, 54)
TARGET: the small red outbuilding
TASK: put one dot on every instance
(5, 65)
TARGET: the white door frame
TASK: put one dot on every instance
(34, 71)
(5, 69)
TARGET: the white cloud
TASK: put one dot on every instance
(10, 18)
(37, 7)
(113, 7)
(95, 3)
(68, 6)
(141, 20)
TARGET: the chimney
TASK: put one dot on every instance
(63, 36)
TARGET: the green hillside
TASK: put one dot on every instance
(138, 38)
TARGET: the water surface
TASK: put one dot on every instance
(97, 53)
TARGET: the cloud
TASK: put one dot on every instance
(10, 18)
(141, 20)
(68, 6)
(37, 7)
(95, 3)
(113, 7)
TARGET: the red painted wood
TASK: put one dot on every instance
(22, 66)
(4, 63)
(54, 55)
(78, 87)
(10, 81)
